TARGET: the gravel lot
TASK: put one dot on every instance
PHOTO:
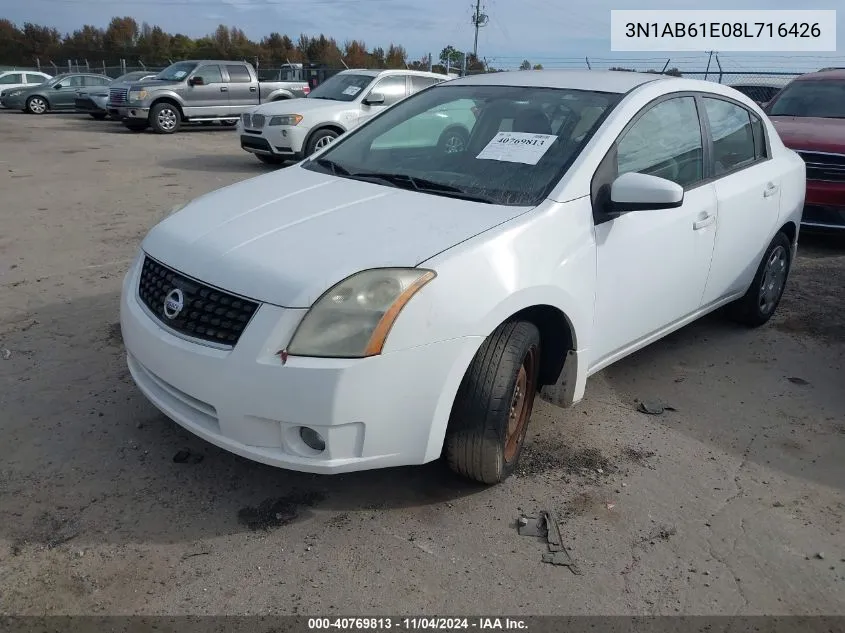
(733, 502)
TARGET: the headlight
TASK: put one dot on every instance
(353, 319)
(286, 119)
(137, 95)
(13, 93)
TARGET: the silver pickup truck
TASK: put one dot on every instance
(197, 91)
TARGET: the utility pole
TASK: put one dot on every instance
(479, 19)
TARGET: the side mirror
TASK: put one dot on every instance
(58, 87)
(375, 98)
(641, 192)
(196, 81)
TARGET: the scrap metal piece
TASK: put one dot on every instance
(531, 526)
(545, 525)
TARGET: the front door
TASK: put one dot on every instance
(393, 88)
(63, 94)
(652, 265)
(748, 195)
(209, 99)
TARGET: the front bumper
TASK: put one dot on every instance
(12, 103)
(277, 140)
(132, 112)
(389, 410)
(824, 205)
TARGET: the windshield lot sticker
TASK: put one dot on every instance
(352, 91)
(179, 74)
(517, 147)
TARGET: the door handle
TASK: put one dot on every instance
(771, 189)
(707, 220)
(224, 89)
(252, 88)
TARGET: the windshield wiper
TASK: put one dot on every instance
(404, 181)
(336, 169)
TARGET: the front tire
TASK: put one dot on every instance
(319, 140)
(759, 303)
(165, 118)
(490, 415)
(37, 105)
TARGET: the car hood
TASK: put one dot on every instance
(302, 106)
(153, 84)
(287, 237)
(811, 134)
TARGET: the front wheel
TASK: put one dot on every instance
(761, 300)
(321, 139)
(37, 105)
(165, 118)
(453, 141)
(490, 415)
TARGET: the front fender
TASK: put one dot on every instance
(157, 96)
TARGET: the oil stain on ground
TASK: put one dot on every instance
(278, 511)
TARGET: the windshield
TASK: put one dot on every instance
(342, 87)
(814, 98)
(177, 71)
(496, 144)
(55, 79)
(133, 76)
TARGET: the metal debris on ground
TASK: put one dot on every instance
(546, 526)
(7, 354)
(798, 381)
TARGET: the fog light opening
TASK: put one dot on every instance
(312, 439)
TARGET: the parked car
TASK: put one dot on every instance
(761, 89)
(194, 91)
(95, 100)
(378, 301)
(58, 93)
(15, 79)
(278, 132)
(809, 115)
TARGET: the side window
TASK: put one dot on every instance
(733, 139)
(392, 87)
(95, 81)
(419, 83)
(35, 79)
(14, 78)
(665, 142)
(238, 74)
(210, 74)
(761, 152)
(72, 82)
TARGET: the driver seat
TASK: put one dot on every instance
(532, 121)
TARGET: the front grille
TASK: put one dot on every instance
(257, 121)
(118, 95)
(825, 167)
(245, 118)
(207, 313)
(255, 142)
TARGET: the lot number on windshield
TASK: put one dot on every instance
(517, 147)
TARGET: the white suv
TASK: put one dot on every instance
(295, 128)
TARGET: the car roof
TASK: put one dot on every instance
(823, 75)
(617, 81)
(391, 71)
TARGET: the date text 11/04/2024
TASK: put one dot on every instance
(723, 29)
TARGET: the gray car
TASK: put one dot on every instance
(94, 100)
(57, 94)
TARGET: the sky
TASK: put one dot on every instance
(556, 33)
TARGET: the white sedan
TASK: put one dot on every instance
(388, 299)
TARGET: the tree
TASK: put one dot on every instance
(538, 66)
(451, 57)
(397, 56)
(525, 65)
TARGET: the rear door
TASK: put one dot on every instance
(394, 88)
(212, 97)
(243, 91)
(747, 192)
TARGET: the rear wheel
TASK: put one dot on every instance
(453, 141)
(165, 118)
(761, 300)
(270, 160)
(37, 105)
(490, 415)
(320, 139)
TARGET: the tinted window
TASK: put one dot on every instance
(733, 140)
(97, 81)
(760, 149)
(811, 98)
(393, 89)
(665, 142)
(210, 75)
(448, 138)
(14, 78)
(418, 83)
(35, 79)
(239, 74)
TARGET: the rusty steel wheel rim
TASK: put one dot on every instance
(521, 403)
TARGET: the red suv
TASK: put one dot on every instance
(809, 115)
